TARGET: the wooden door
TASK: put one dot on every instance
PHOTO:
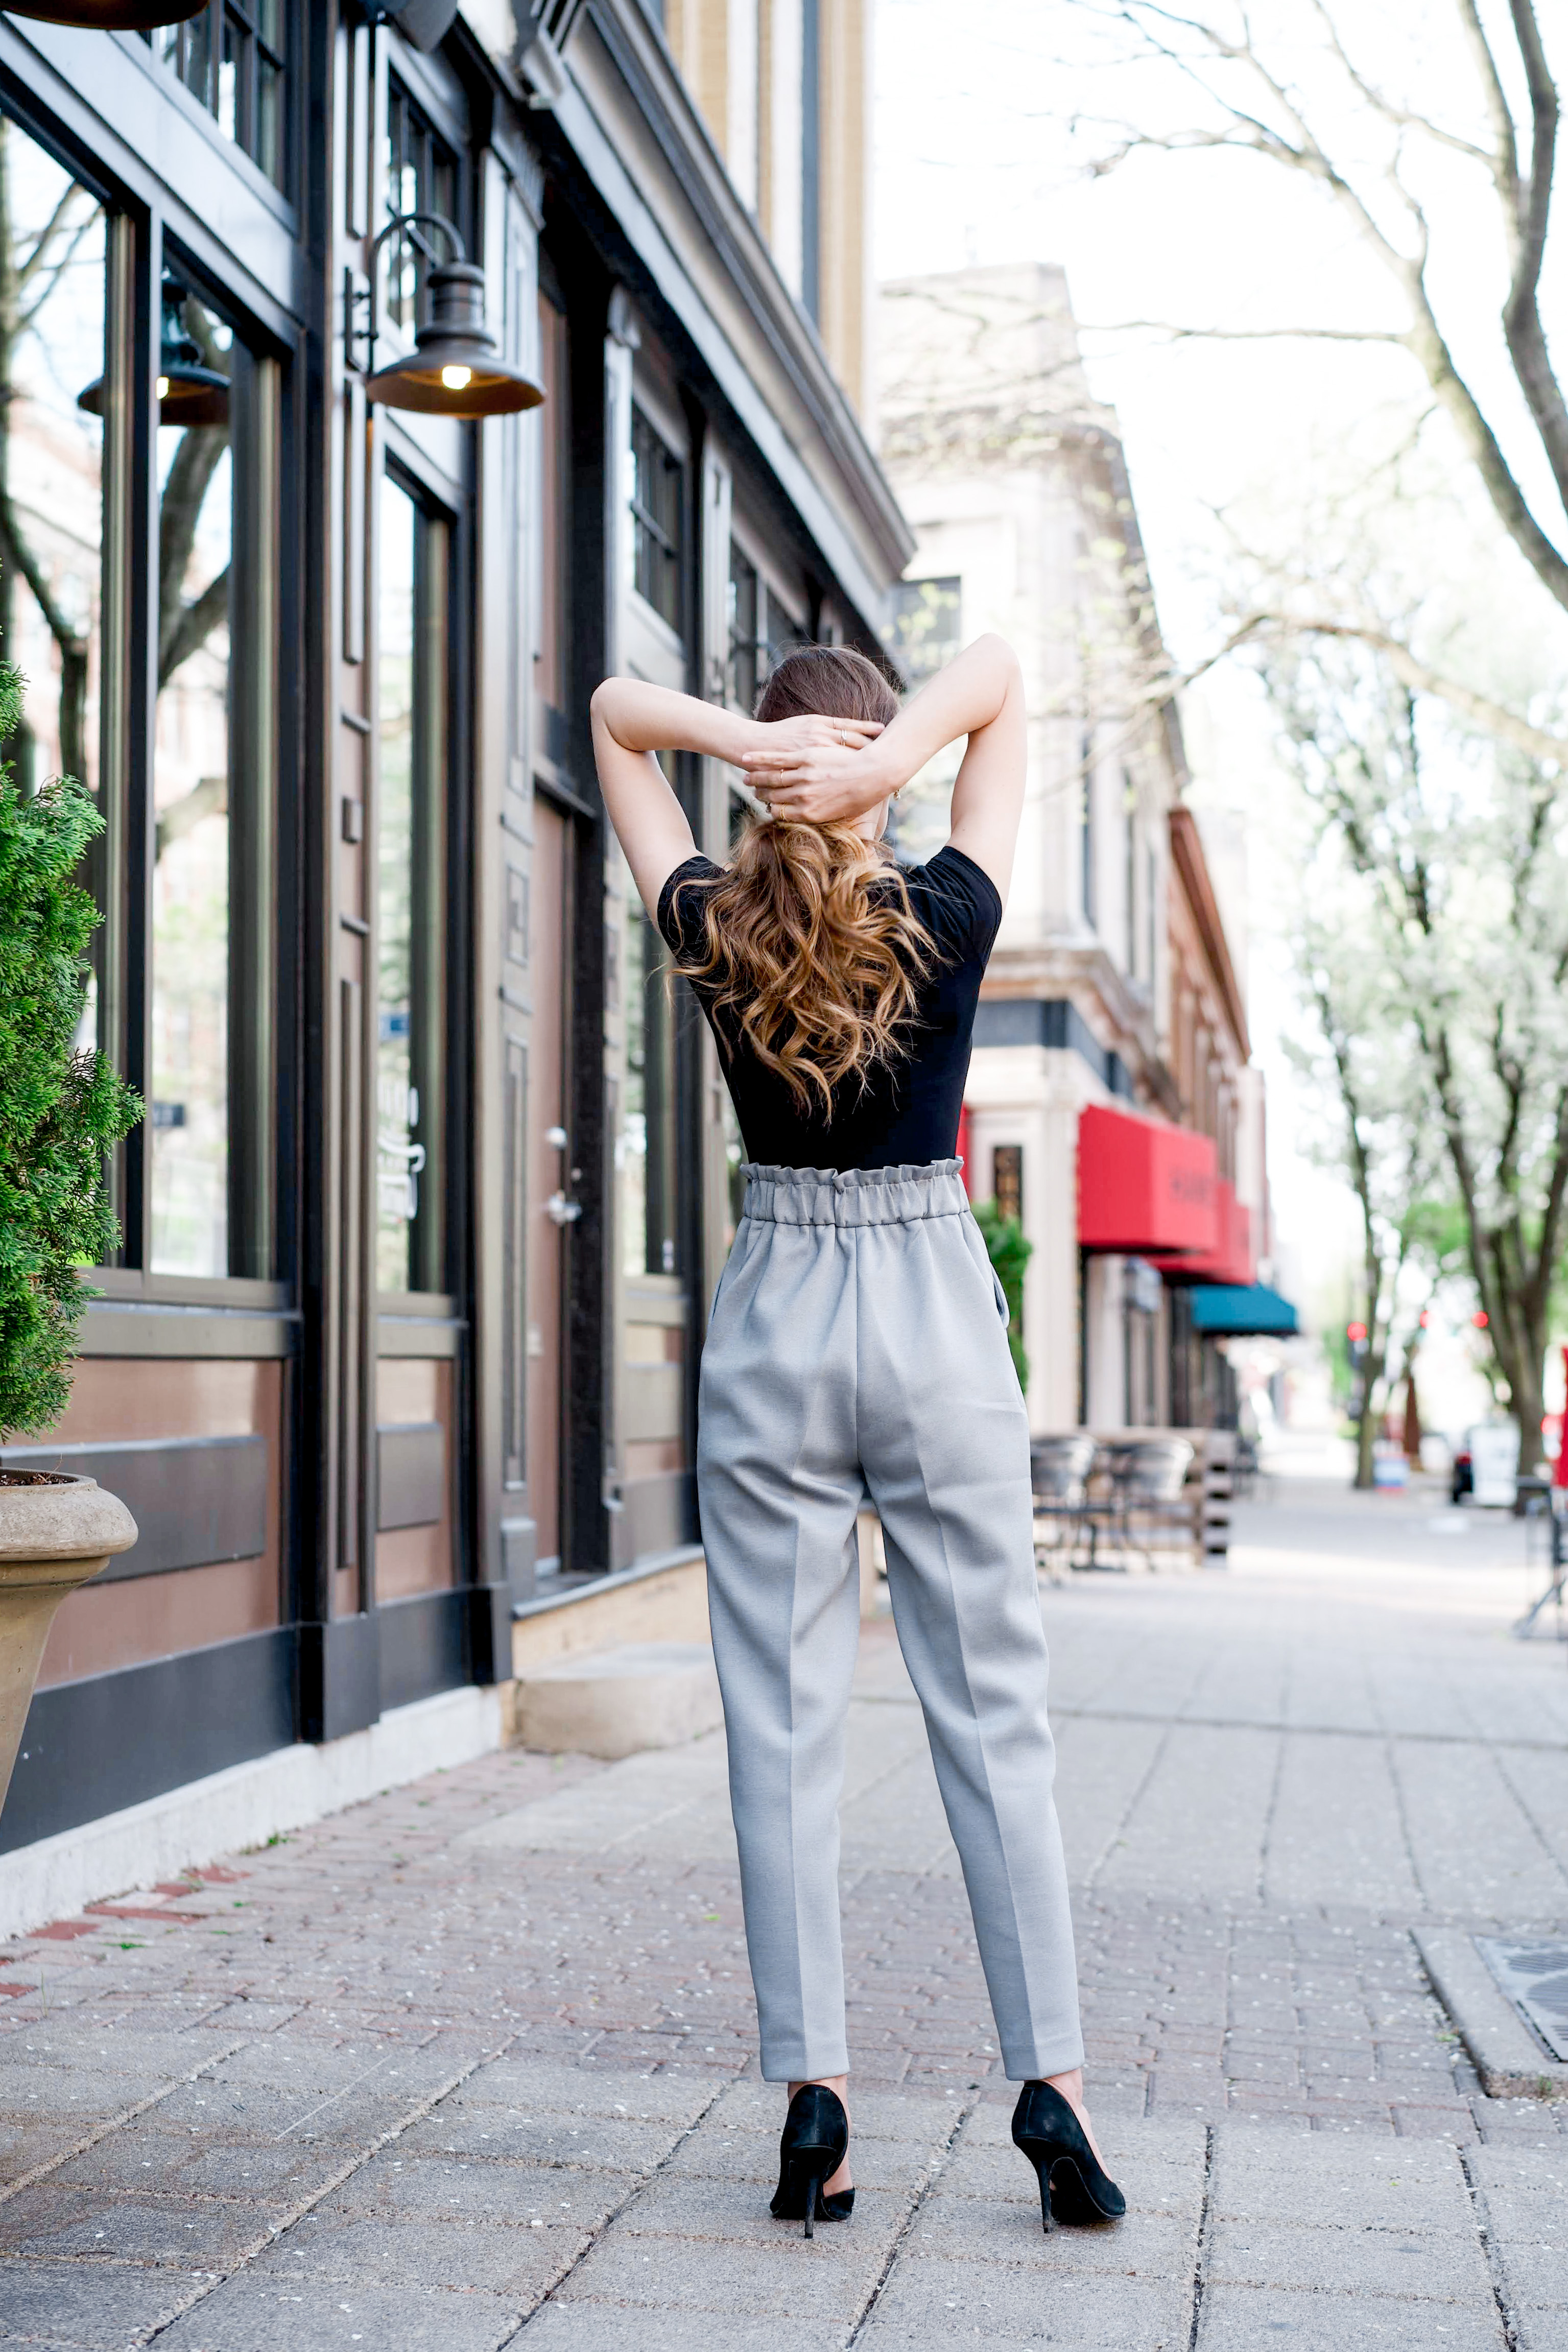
(552, 1210)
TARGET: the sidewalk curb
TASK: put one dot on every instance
(1508, 2059)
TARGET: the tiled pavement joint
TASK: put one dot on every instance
(114, 2123)
(639, 2189)
(1200, 2254)
(922, 2191)
(1487, 2235)
(346, 2171)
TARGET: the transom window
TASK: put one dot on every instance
(231, 58)
(656, 478)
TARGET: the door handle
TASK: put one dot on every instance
(560, 1211)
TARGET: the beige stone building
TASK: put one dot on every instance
(784, 88)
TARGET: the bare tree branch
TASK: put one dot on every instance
(1524, 204)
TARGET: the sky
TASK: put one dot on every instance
(984, 142)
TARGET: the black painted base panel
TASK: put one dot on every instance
(424, 1644)
(94, 1747)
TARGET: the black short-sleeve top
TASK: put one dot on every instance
(907, 1111)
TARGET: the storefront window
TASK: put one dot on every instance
(52, 345)
(411, 894)
(231, 59)
(212, 905)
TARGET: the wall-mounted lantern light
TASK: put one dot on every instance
(455, 368)
(108, 15)
(189, 392)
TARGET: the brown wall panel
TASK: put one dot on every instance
(410, 1389)
(149, 1396)
(414, 1560)
(122, 1625)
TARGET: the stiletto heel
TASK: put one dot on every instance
(1075, 2187)
(811, 2149)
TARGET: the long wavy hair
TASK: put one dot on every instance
(810, 943)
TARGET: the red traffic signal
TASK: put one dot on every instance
(1355, 1332)
(1480, 1318)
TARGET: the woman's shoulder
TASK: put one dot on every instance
(680, 912)
(956, 901)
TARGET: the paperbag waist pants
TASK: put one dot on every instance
(857, 1347)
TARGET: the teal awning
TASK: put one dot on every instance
(1237, 1310)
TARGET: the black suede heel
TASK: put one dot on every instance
(812, 2147)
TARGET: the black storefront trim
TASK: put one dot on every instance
(1050, 1021)
(94, 1747)
(424, 1645)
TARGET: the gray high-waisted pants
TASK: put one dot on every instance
(857, 1345)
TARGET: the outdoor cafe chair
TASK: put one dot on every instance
(1058, 1474)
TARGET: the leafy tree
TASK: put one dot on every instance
(1455, 856)
(61, 1108)
(1010, 1254)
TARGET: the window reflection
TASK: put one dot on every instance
(411, 893)
(52, 327)
(190, 1076)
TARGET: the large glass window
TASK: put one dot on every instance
(213, 899)
(658, 476)
(53, 237)
(411, 887)
(231, 58)
(420, 175)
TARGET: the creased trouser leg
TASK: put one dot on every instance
(780, 1489)
(856, 1342)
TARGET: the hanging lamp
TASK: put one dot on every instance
(108, 15)
(454, 368)
(189, 392)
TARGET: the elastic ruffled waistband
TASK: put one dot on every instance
(855, 1196)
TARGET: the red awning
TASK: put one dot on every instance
(1143, 1188)
(1232, 1259)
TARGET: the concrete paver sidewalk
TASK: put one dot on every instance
(475, 2062)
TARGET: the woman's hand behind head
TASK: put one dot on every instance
(817, 769)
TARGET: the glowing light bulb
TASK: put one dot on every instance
(162, 387)
(456, 379)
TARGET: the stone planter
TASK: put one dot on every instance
(55, 1532)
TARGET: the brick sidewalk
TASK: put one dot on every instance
(477, 2058)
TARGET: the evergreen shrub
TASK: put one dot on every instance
(62, 1109)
